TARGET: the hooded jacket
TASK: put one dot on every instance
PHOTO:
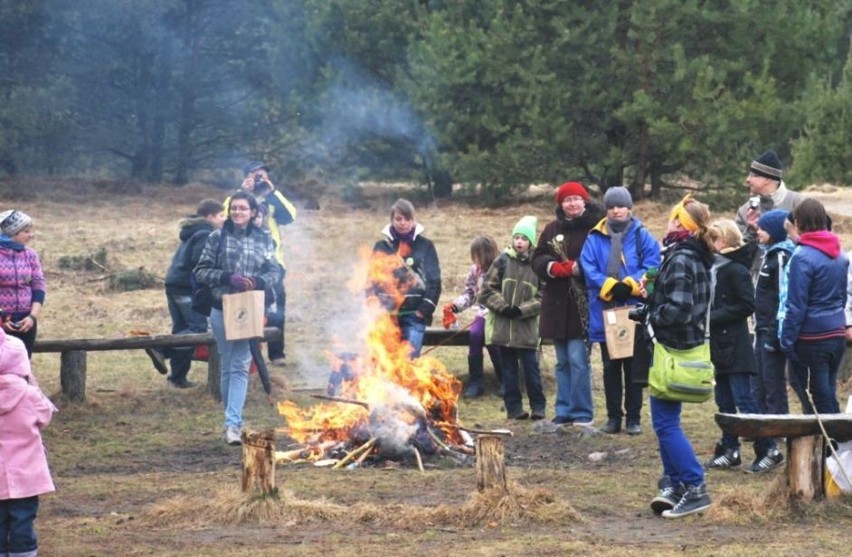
(560, 313)
(422, 265)
(681, 296)
(193, 234)
(767, 291)
(816, 291)
(733, 303)
(511, 282)
(639, 252)
(24, 412)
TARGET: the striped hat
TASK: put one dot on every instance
(767, 165)
(13, 221)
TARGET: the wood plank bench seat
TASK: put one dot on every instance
(806, 448)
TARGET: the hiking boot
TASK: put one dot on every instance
(180, 383)
(612, 425)
(474, 389)
(535, 416)
(520, 416)
(668, 496)
(694, 500)
(633, 428)
(770, 461)
(724, 458)
(232, 436)
(158, 359)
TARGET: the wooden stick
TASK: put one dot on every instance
(340, 399)
(419, 460)
(345, 460)
(363, 456)
(504, 432)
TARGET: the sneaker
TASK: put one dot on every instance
(612, 425)
(633, 429)
(562, 420)
(668, 496)
(724, 458)
(278, 362)
(694, 500)
(158, 359)
(474, 390)
(583, 423)
(770, 461)
(232, 436)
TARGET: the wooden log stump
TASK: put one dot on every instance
(72, 375)
(490, 463)
(259, 462)
(805, 463)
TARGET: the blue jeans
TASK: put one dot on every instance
(532, 380)
(769, 385)
(185, 321)
(679, 460)
(573, 380)
(820, 361)
(17, 534)
(235, 359)
(413, 330)
(733, 394)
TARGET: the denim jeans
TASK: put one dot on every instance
(17, 534)
(679, 460)
(234, 359)
(275, 348)
(184, 321)
(733, 394)
(477, 343)
(413, 330)
(573, 380)
(769, 385)
(618, 381)
(820, 361)
(532, 380)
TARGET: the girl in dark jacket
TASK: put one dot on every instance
(730, 346)
(677, 313)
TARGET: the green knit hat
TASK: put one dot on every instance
(526, 227)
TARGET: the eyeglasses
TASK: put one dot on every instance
(573, 199)
(239, 209)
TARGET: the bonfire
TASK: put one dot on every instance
(380, 403)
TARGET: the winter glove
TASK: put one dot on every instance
(258, 283)
(511, 312)
(562, 269)
(240, 283)
(449, 316)
(621, 291)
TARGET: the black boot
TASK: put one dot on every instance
(474, 386)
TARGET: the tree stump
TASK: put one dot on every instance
(72, 375)
(490, 463)
(805, 463)
(214, 372)
(259, 462)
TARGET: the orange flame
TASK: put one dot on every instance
(385, 376)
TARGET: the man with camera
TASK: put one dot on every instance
(277, 211)
(768, 192)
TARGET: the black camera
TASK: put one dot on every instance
(639, 313)
(261, 185)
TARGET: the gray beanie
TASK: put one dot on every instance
(13, 221)
(618, 197)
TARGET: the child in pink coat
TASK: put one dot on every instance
(24, 475)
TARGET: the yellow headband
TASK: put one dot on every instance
(680, 213)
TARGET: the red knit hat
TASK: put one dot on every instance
(571, 188)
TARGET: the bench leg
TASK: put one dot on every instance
(805, 462)
(72, 375)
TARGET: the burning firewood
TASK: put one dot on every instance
(363, 448)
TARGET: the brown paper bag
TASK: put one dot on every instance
(619, 331)
(243, 315)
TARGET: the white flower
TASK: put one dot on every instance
(559, 237)
(409, 261)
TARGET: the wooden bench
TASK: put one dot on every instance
(806, 447)
(72, 368)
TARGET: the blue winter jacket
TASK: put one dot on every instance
(816, 292)
(640, 252)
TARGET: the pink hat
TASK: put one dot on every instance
(13, 356)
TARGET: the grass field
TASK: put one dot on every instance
(142, 469)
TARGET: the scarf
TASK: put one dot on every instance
(676, 236)
(616, 230)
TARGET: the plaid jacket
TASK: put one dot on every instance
(250, 253)
(682, 294)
